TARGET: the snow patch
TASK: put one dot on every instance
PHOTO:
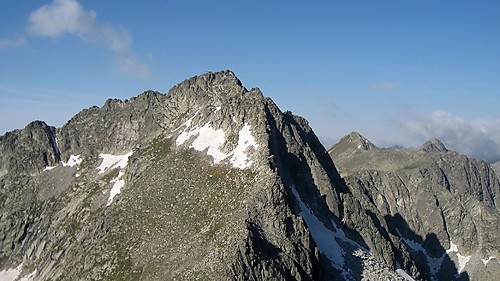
(209, 139)
(365, 141)
(187, 124)
(239, 158)
(73, 161)
(116, 189)
(453, 248)
(330, 242)
(324, 237)
(48, 168)
(183, 137)
(29, 277)
(435, 263)
(462, 260)
(487, 260)
(110, 161)
(327, 240)
(10, 274)
(217, 109)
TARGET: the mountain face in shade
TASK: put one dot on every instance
(442, 207)
(212, 181)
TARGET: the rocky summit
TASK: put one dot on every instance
(212, 181)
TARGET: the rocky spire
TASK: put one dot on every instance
(433, 145)
(351, 143)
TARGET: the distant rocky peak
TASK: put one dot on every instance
(359, 141)
(433, 145)
(148, 95)
(146, 98)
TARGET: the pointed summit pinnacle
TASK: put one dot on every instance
(433, 145)
(360, 141)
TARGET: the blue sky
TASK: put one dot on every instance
(398, 72)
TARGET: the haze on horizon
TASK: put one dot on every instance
(399, 73)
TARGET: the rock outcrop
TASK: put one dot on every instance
(29, 150)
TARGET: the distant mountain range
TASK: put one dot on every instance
(212, 181)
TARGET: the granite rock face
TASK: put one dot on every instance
(440, 206)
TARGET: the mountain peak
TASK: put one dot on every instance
(353, 142)
(433, 145)
(210, 80)
(359, 141)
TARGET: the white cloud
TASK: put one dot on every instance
(385, 85)
(117, 40)
(15, 42)
(62, 16)
(70, 17)
(478, 138)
